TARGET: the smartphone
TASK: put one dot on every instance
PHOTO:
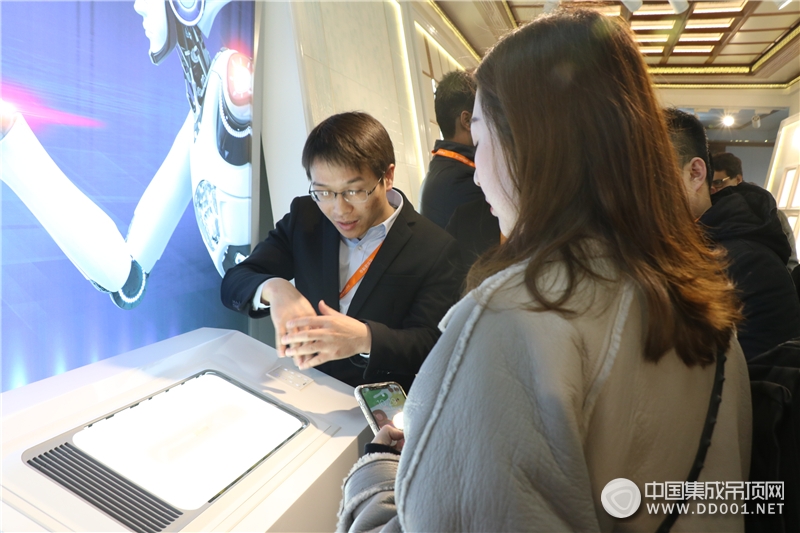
(382, 404)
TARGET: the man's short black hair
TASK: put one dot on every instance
(729, 163)
(454, 94)
(688, 138)
(354, 140)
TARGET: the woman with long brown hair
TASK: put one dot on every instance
(587, 347)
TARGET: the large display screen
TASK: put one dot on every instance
(125, 138)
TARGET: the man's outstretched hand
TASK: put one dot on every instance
(286, 304)
(314, 340)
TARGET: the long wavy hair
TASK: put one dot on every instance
(571, 104)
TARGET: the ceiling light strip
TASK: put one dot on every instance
(510, 14)
(700, 37)
(692, 49)
(721, 85)
(709, 23)
(644, 11)
(708, 11)
(699, 70)
(453, 28)
(651, 38)
(775, 49)
(719, 7)
(637, 25)
(727, 85)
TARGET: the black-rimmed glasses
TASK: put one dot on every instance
(353, 197)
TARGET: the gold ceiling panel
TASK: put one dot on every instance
(708, 41)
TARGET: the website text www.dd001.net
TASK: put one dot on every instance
(745, 508)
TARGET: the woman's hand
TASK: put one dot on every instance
(390, 436)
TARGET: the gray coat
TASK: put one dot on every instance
(518, 419)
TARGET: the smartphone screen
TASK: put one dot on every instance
(384, 401)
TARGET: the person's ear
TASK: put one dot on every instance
(738, 179)
(466, 120)
(388, 178)
(697, 172)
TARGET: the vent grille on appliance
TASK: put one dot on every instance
(108, 491)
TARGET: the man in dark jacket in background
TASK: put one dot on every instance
(744, 221)
(449, 196)
(728, 173)
(449, 182)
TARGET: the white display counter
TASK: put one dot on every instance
(207, 431)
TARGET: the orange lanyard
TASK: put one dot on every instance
(453, 155)
(358, 274)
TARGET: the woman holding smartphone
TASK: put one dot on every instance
(587, 347)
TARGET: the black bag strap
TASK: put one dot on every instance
(705, 439)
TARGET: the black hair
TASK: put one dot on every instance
(354, 140)
(729, 163)
(688, 138)
(454, 94)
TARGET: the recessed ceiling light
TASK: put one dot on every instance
(654, 9)
(700, 37)
(651, 38)
(702, 8)
(709, 23)
(692, 49)
(651, 49)
(639, 25)
(728, 121)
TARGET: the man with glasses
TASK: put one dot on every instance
(728, 173)
(372, 277)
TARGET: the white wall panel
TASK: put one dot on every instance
(354, 58)
(284, 128)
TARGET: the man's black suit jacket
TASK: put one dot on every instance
(410, 285)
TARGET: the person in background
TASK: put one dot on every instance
(588, 345)
(728, 173)
(475, 230)
(380, 275)
(449, 195)
(742, 220)
(449, 182)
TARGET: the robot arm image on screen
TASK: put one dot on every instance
(220, 95)
(83, 231)
(209, 162)
(220, 161)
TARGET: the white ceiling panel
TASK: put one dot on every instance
(687, 60)
(768, 6)
(735, 60)
(734, 49)
(771, 22)
(755, 36)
